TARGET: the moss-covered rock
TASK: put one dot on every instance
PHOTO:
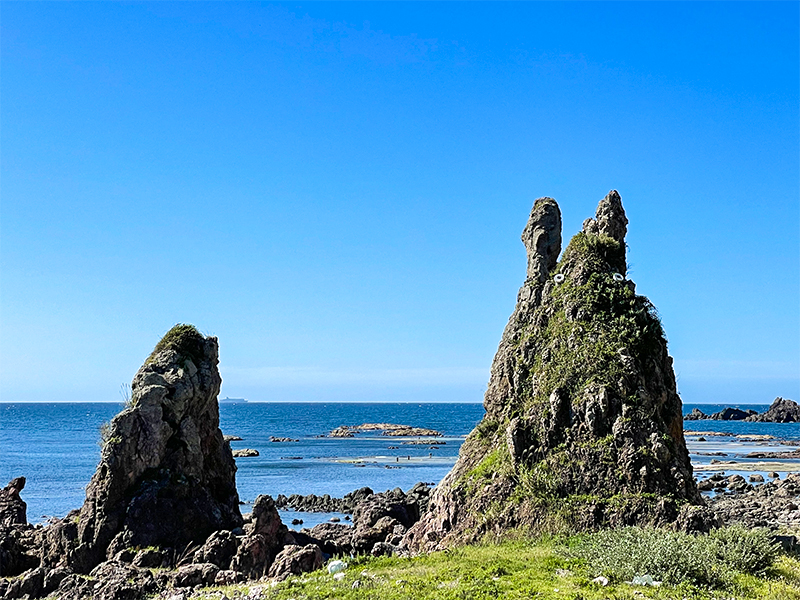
(583, 423)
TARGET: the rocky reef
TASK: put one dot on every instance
(782, 410)
(583, 424)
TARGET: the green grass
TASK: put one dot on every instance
(544, 568)
(183, 339)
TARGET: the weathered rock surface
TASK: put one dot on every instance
(696, 415)
(265, 535)
(13, 510)
(295, 560)
(583, 423)
(19, 541)
(781, 410)
(774, 505)
(166, 476)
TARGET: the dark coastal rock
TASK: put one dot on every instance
(695, 415)
(732, 414)
(324, 503)
(13, 510)
(781, 410)
(19, 542)
(195, 575)
(281, 439)
(166, 476)
(295, 560)
(109, 581)
(334, 539)
(265, 535)
(218, 549)
(583, 424)
(773, 505)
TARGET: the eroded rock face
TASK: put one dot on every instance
(13, 510)
(166, 476)
(583, 424)
(781, 410)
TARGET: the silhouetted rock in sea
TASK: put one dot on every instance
(583, 424)
(782, 410)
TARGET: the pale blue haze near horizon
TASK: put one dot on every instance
(337, 191)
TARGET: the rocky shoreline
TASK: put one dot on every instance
(781, 410)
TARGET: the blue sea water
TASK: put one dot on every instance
(55, 446)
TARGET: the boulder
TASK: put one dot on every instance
(219, 549)
(195, 574)
(13, 510)
(166, 476)
(732, 414)
(780, 411)
(583, 425)
(294, 560)
(695, 415)
(332, 538)
(265, 536)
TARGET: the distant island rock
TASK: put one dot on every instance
(782, 410)
(281, 439)
(245, 453)
(389, 429)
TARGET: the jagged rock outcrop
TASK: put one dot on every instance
(782, 410)
(583, 423)
(13, 510)
(166, 476)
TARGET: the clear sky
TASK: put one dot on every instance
(337, 191)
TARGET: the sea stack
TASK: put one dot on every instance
(583, 424)
(166, 476)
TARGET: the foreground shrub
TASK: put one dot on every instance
(673, 557)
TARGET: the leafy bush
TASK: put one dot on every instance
(674, 557)
(746, 550)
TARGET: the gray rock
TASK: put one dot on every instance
(265, 535)
(756, 478)
(166, 476)
(218, 549)
(245, 453)
(695, 415)
(148, 558)
(13, 510)
(294, 560)
(780, 411)
(195, 574)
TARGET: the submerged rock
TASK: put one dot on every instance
(166, 476)
(583, 423)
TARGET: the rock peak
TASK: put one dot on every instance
(610, 219)
(583, 424)
(542, 238)
(166, 476)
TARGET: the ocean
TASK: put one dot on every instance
(56, 447)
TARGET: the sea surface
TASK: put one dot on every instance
(56, 447)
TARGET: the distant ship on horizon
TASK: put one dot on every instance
(233, 400)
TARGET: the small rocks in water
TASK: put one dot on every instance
(245, 453)
(335, 519)
(774, 475)
(297, 521)
(281, 439)
(756, 478)
(291, 458)
(231, 438)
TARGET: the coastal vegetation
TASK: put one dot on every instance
(730, 563)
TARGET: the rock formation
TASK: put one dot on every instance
(13, 510)
(166, 476)
(781, 410)
(583, 424)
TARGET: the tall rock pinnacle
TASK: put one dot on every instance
(583, 424)
(166, 476)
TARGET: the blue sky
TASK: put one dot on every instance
(337, 190)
